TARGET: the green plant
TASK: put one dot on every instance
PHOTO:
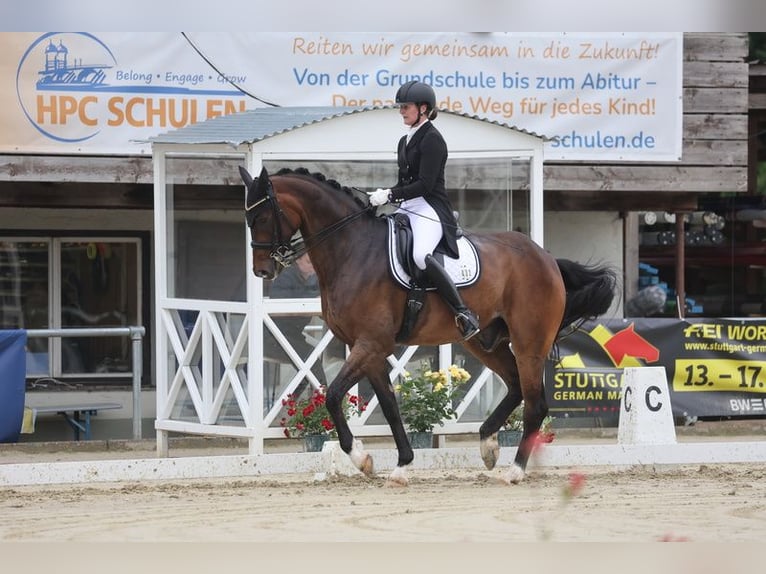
(426, 400)
(309, 416)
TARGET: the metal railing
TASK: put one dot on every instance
(136, 335)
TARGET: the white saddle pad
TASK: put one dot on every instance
(464, 270)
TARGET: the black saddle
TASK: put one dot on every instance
(404, 239)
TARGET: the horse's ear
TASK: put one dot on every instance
(246, 177)
(262, 184)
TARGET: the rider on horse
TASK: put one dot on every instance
(422, 156)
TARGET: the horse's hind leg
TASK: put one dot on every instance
(524, 379)
(531, 369)
(502, 362)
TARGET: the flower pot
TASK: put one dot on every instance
(314, 442)
(508, 437)
(421, 439)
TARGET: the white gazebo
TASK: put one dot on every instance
(214, 320)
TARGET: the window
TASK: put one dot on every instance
(54, 283)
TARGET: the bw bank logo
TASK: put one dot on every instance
(58, 81)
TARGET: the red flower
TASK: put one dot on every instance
(310, 415)
(536, 441)
(547, 437)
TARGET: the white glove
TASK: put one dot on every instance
(379, 196)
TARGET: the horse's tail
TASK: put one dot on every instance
(590, 290)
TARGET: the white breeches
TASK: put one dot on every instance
(426, 228)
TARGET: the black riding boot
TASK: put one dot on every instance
(465, 319)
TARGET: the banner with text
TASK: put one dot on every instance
(600, 97)
(715, 367)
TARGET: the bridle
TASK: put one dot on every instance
(286, 250)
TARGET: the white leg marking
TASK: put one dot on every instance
(398, 477)
(360, 458)
(514, 475)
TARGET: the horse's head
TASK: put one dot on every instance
(270, 229)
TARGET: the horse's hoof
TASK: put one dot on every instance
(490, 451)
(361, 459)
(367, 466)
(514, 475)
(398, 478)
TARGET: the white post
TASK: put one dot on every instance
(646, 416)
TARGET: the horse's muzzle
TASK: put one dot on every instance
(264, 274)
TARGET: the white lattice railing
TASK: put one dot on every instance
(213, 380)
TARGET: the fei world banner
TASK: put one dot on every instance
(715, 367)
(599, 97)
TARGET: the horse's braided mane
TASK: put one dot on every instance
(321, 178)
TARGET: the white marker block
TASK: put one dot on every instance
(336, 462)
(646, 416)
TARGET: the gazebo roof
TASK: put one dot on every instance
(258, 124)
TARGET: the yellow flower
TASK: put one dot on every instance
(427, 399)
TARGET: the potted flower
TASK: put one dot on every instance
(308, 418)
(513, 427)
(426, 400)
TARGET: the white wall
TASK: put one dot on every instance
(592, 237)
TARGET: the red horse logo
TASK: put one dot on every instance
(627, 344)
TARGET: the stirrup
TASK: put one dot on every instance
(467, 323)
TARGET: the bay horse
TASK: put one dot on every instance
(524, 299)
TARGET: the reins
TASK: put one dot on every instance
(298, 247)
(285, 252)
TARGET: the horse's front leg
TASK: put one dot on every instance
(381, 384)
(363, 361)
(349, 375)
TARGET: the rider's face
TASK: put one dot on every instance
(409, 114)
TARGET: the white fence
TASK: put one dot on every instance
(215, 379)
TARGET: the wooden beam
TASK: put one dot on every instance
(618, 201)
(116, 196)
(641, 178)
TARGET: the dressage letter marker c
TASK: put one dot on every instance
(647, 421)
(649, 392)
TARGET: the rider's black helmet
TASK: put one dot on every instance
(414, 92)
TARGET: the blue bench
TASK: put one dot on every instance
(77, 415)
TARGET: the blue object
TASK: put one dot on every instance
(13, 371)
